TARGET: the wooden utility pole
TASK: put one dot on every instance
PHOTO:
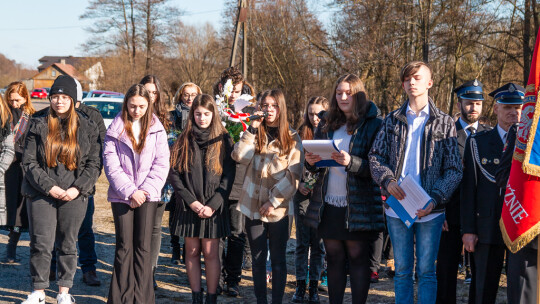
(241, 18)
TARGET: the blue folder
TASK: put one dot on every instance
(329, 162)
(401, 212)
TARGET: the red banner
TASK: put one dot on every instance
(520, 218)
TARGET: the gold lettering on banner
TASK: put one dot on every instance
(517, 212)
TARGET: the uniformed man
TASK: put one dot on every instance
(482, 198)
(470, 99)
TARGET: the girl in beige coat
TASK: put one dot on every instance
(272, 153)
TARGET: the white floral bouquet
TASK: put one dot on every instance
(233, 120)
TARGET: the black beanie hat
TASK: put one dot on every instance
(65, 84)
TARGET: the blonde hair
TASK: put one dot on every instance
(178, 96)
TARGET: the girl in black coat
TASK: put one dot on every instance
(202, 174)
(61, 164)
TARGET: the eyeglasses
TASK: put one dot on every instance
(267, 106)
(186, 95)
(60, 98)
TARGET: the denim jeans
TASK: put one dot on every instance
(86, 241)
(236, 241)
(427, 236)
(306, 239)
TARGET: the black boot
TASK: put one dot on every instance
(154, 277)
(196, 297)
(211, 298)
(300, 293)
(313, 292)
(11, 250)
(175, 259)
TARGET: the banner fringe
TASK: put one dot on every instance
(522, 240)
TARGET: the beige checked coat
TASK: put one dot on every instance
(269, 176)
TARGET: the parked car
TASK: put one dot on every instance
(39, 93)
(107, 106)
(99, 93)
(84, 94)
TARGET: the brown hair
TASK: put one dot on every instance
(146, 120)
(182, 151)
(63, 149)
(5, 113)
(231, 73)
(160, 108)
(306, 128)
(20, 88)
(335, 117)
(412, 67)
(285, 140)
(178, 96)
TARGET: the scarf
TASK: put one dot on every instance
(198, 170)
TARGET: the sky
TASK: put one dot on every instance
(31, 29)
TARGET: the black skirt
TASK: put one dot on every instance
(332, 226)
(189, 224)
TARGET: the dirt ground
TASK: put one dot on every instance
(15, 281)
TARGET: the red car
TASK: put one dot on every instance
(39, 93)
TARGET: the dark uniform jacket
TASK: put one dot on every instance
(481, 197)
(453, 205)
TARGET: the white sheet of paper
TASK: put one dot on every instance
(241, 102)
(415, 196)
(324, 148)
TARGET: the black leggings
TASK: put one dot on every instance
(262, 236)
(356, 253)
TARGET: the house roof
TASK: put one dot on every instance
(47, 61)
(66, 69)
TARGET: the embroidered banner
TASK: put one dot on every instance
(520, 218)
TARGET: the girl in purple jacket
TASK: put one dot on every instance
(136, 162)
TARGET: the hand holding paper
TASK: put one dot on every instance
(414, 202)
(343, 158)
(324, 150)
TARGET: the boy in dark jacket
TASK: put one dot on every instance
(418, 140)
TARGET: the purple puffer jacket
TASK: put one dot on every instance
(125, 177)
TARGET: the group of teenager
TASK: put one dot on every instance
(250, 190)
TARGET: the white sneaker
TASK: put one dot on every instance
(65, 298)
(35, 297)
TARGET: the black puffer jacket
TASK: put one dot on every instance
(37, 179)
(364, 203)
